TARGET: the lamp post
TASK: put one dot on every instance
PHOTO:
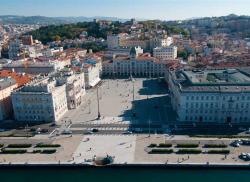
(89, 102)
(98, 104)
(134, 114)
(149, 127)
(149, 122)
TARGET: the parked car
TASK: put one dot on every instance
(244, 156)
(95, 130)
(44, 130)
(67, 132)
(127, 133)
(235, 144)
(88, 133)
(53, 125)
(245, 142)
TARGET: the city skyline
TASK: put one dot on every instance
(146, 9)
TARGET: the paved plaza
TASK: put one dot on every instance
(151, 102)
(130, 149)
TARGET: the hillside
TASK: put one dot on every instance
(72, 31)
(42, 20)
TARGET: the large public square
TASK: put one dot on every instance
(139, 105)
(150, 101)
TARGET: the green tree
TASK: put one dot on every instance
(57, 38)
(183, 54)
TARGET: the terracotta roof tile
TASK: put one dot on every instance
(20, 79)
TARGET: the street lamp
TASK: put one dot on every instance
(98, 104)
(89, 102)
(149, 127)
(134, 114)
(149, 122)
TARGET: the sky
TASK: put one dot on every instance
(146, 9)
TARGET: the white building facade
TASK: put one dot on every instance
(75, 87)
(40, 101)
(210, 96)
(91, 75)
(7, 85)
(142, 65)
(165, 53)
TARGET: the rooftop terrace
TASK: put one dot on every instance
(223, 80)
(217, 77)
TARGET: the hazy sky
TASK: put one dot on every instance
(149, 9)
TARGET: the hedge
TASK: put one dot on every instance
(19, 145)
(187, 145)
(36, 151)
(164, 145)
(215, 146)
(152, 145)
(188, 151)
(218, 152)
(20, 151)
(51, 151)
(161, 151)
(219, 136)
(41, 145)
(1, 145)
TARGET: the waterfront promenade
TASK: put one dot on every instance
(126, 149)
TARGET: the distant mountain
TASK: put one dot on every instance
(12, 19)
(88, 19)
(42, 20)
